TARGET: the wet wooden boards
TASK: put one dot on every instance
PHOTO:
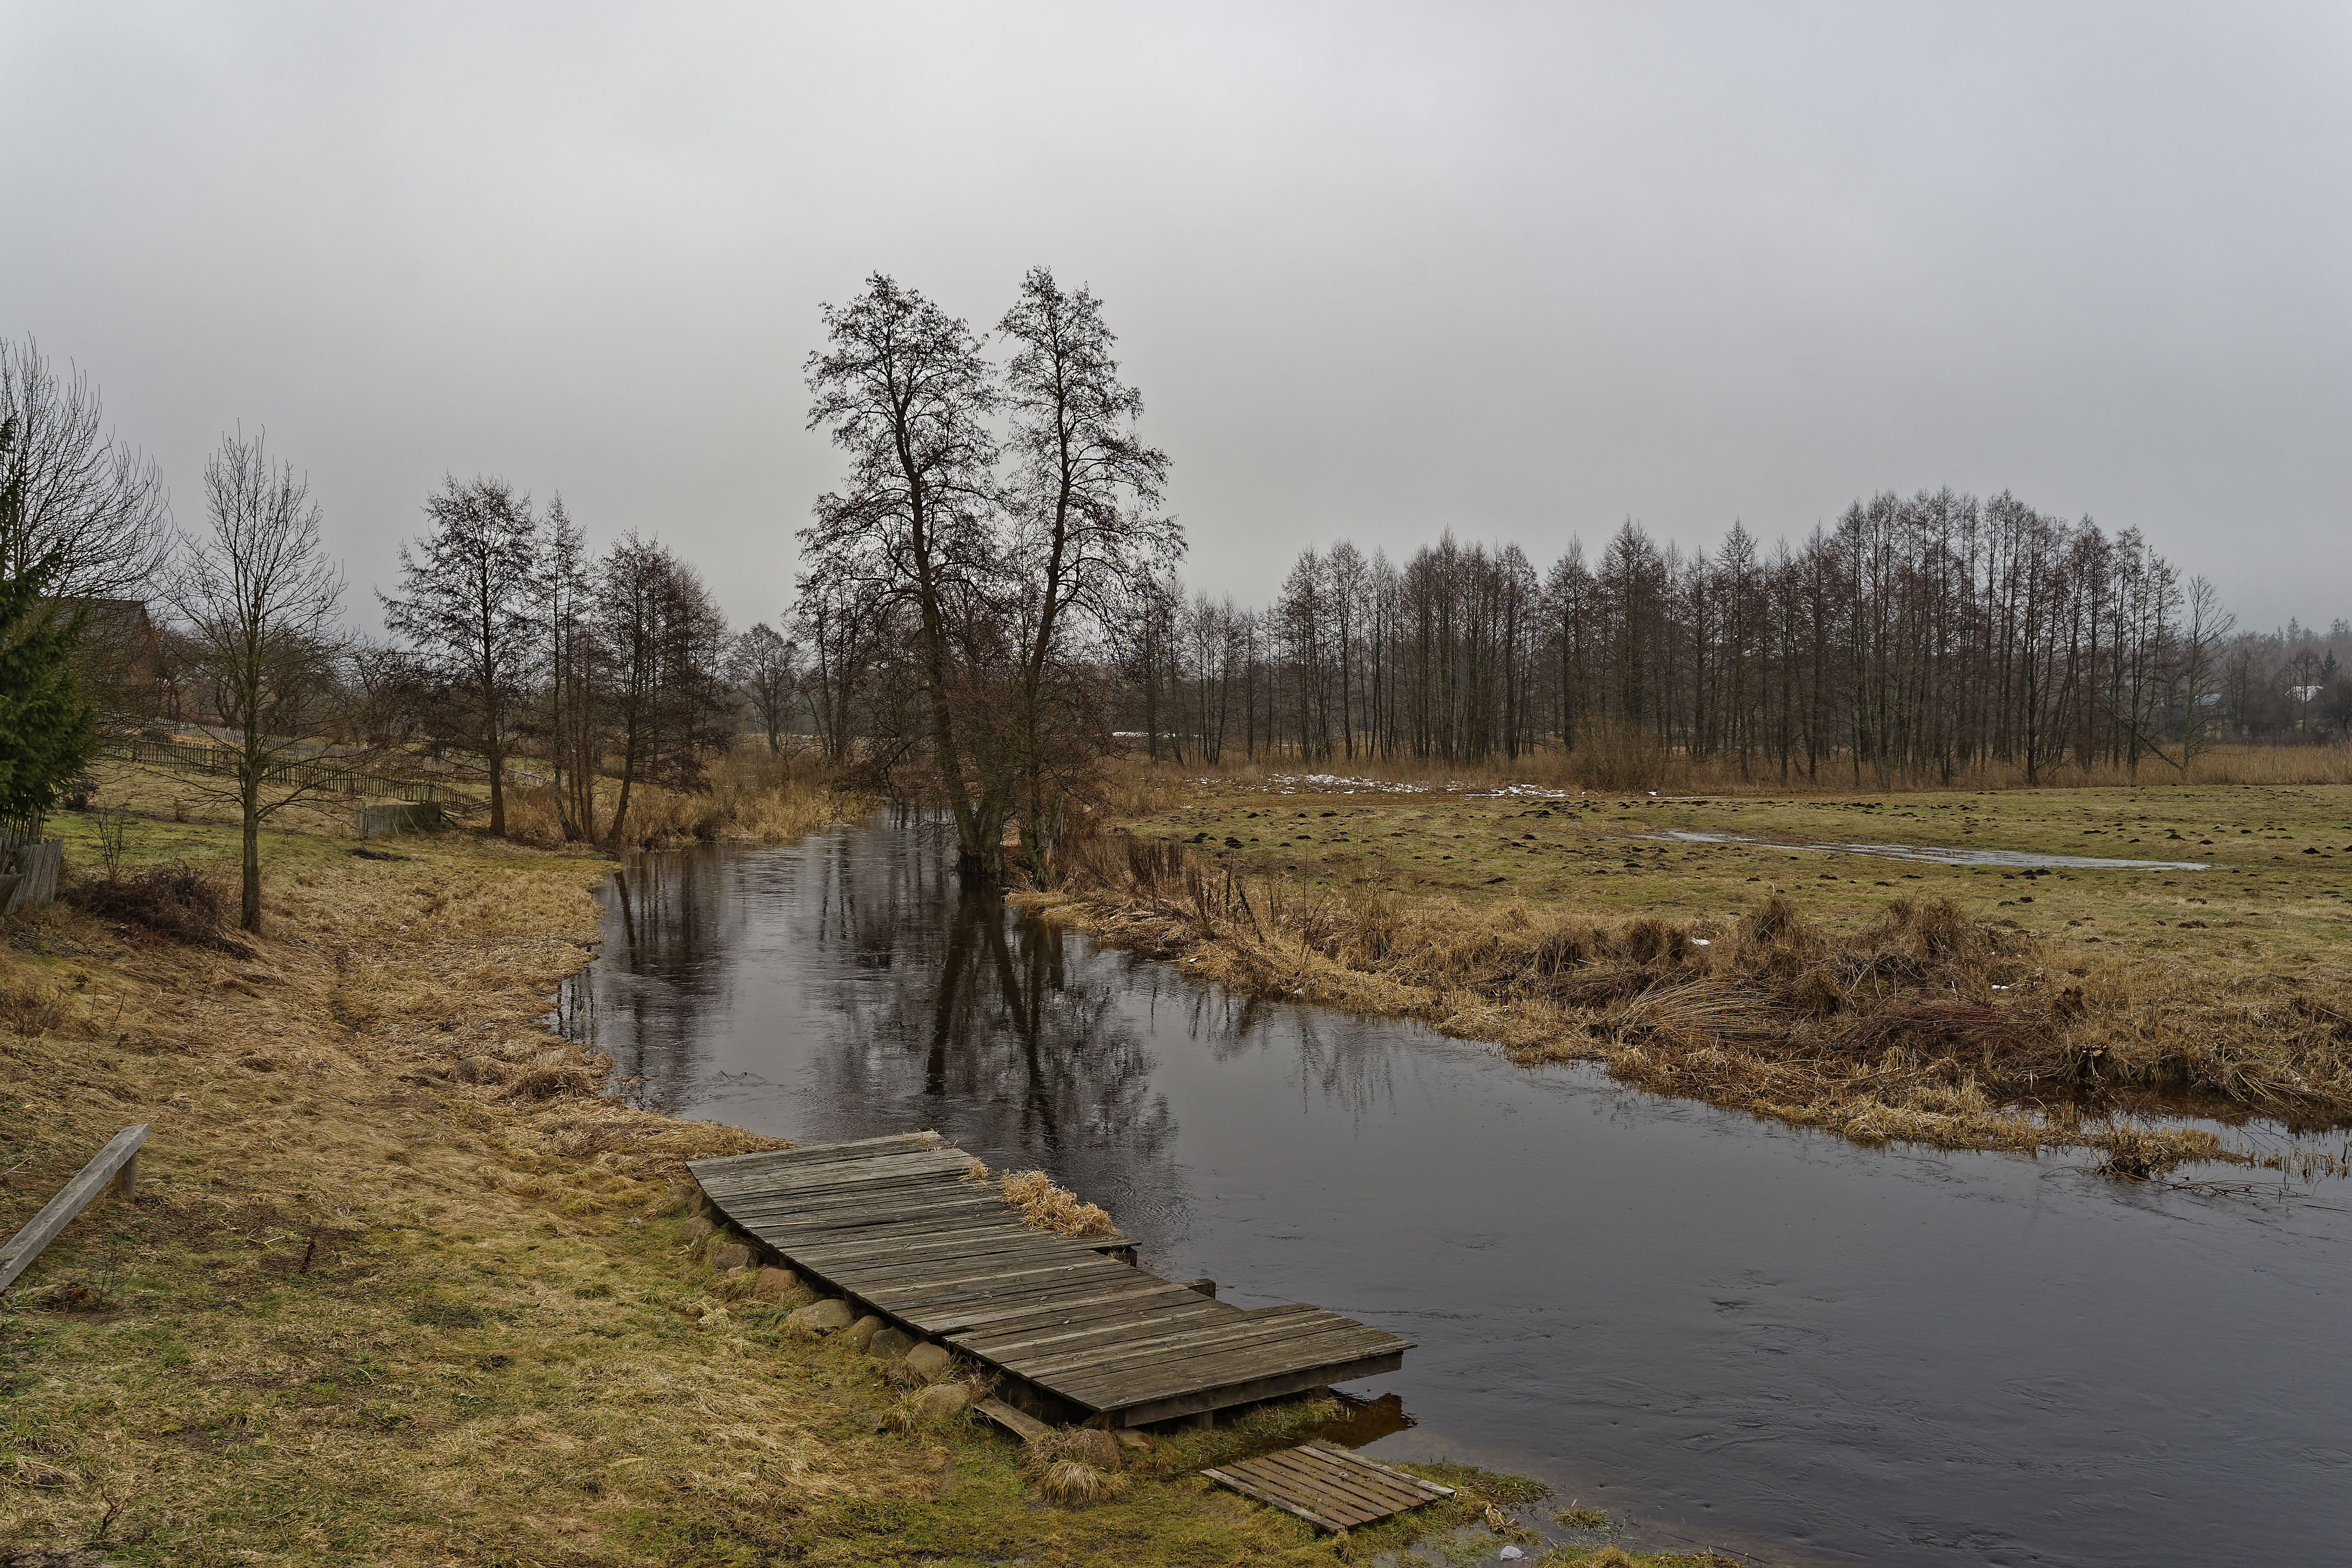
(891, 1224)
(1328, 1487)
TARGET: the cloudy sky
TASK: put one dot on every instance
(1380, 270)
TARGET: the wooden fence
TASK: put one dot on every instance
(218, 760)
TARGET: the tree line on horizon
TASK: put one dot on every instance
(1917, 638)
(989, 605)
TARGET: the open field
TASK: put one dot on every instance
(1638, 768)
(750, 796)
(400, 1287)
(1974, 1006)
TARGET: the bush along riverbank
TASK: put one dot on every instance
(400, 1283)
(1928, 1015)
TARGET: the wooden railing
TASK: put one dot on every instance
(118, 1163)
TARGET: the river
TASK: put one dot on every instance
(1720, 1331)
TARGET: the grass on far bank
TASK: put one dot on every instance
(1630, 764)
(1974, 1006)
(399, 1285)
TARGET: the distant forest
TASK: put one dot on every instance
(1919, 637)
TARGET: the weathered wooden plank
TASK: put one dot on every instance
(1104, 1384)
(1373, 1496)
(1332, 1502)
(982, 1276)
(954, 1317)
(924, 1161)
(1126, 1384)
(861, 1199)
(1105, 1328)
(1330, 1486)
(1108, 1291)
(920, 1248)
(1358, 1460)
(857, 1195)
(1239, 1327)
(1248, 1488)
(117, 1163)
(1273, 1387)
(809, 1153)
(1019, 1423)
(1166, 1298)
(1375, 1486)
(902, 1249)
(1366, 1469)
(890, 1223)
(926, 1166)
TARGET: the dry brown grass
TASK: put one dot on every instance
(400, 1286)
(749, 796)
(1044, 1205)
(1925, 1024)
(1069, 1469)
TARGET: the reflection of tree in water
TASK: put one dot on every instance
(654, 986)
(953, 1015)
(1334, 1058)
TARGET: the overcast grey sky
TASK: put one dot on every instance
(1380, 270)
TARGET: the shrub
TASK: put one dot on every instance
(176, 902)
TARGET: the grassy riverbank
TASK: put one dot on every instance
(1968, 1007)
(400, 1287)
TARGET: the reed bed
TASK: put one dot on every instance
(747, 796)
(1923, 1025)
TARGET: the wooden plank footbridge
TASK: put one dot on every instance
(1073, 1329)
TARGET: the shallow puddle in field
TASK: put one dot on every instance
(1934, 853)
(1719, 1331)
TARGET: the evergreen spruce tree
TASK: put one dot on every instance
(47, 732)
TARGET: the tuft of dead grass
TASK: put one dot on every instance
(1045, 1207)
(1067, 1466)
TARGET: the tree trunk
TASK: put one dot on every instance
(249, 902)
(498, 792)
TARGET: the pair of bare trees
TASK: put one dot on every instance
(522, 642)
(997, 528)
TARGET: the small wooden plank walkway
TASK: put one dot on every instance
(1078, 1331)
(1328, 1486)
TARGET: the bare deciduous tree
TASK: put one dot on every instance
(905, 391)
(466, 603)
(99, 503)
(259, 602)
(663, 642)
(765, 667)
(1088, 540)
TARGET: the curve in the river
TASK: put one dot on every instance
(1726, 1330)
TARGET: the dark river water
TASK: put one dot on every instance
(1723, 1331)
